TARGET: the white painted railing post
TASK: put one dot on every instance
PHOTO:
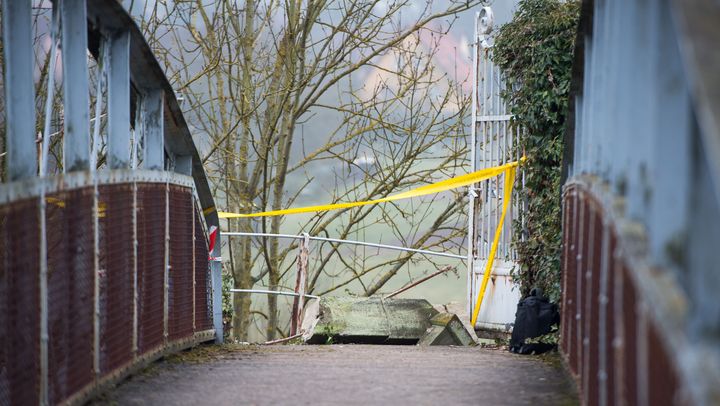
(20, 137)
(216, 283)
(119, 100)
(154, 143)
(19, 89)
(76, 145)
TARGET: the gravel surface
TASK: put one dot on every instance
(347, 375)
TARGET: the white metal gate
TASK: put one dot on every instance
(494, 142)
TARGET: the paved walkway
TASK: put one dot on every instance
(347, 375)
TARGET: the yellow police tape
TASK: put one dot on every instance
(508, 169)
(441, 186)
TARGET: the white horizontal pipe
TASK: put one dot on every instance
(495, 117)
(272, 292)
(367, 244)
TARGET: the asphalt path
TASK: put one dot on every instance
(347, 375)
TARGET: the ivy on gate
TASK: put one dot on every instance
(535, 53)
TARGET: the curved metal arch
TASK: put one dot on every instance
(106, 18)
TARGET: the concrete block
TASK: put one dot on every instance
(437, 335)
(460, 310)
(447, 329)
(367, 320)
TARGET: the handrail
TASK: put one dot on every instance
(336, 240)
(273, 292)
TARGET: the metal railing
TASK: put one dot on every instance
(274, 292)
(300, 286)
(339, 241)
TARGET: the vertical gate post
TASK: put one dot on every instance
(216, 282)
(493, 143)
(300, 284)
(19, 90)
(473, 164)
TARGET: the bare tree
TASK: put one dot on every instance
(253, 74)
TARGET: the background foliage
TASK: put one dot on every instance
(535, 52)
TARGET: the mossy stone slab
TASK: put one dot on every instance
(368, 320)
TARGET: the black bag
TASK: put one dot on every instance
(535, 317)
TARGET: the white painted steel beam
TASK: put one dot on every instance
(19, 89)
(76, 145)
(119, 101)
(154, 143)
(216, 285)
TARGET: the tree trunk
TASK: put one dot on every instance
(242, 275)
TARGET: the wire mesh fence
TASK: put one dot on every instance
(117, 284)
(151, 222)
(608, 338)
(180, 271)
(70, 281)
(19, 302)
(94, 280)
(203, 300)
(126, 276)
